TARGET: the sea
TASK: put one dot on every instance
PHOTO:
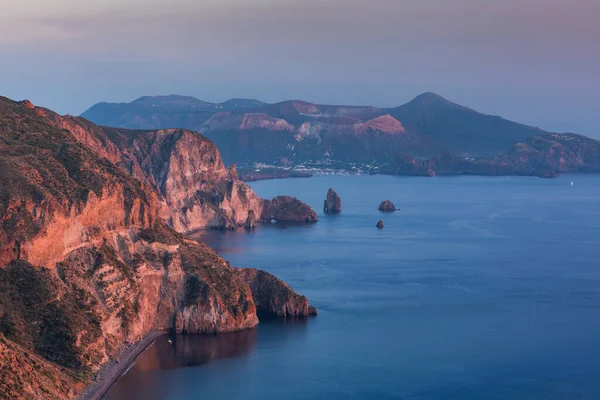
(476, 288)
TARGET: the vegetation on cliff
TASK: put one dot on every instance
(89, 259)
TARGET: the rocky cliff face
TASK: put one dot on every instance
(275, 297)
(88, 257)
(195, 190)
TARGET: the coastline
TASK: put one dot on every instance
(111, 371)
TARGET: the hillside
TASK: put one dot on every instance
(90, 259)
(459, 130)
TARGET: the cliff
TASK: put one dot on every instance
(89, 259)
(275, 297)
(387, 206)
(194, 188)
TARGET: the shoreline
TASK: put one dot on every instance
(110, 372)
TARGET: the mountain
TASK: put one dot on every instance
(459, 130)
(92, 255)
(249, 131)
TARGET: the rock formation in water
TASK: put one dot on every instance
(250, 224)
(89, 258)
(333, 203)
(273, 296)
(289, 209)
(387, 206)
(380, 224)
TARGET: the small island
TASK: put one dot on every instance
(333, 203)
(387, 206)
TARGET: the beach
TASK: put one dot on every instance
(111, 371)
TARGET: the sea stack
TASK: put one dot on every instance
(387, 206)
(380, 224)
(333, 203)
(250, 224)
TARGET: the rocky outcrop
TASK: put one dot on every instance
(380, 224)
(89, 260)
(250, 224)
(274, 297)
(288, 209)
(194, 188)
(387, 206)
(333, 203)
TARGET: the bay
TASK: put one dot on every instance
(477, 288)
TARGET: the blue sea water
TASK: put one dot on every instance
(478, 288)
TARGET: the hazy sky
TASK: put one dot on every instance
(535, 61)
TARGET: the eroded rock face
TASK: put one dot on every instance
(274, 297)
(195, 189)
(387, 206)
(333, 203)
(250, 224)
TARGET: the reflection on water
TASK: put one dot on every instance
(147, 378)
(183, 351)
(240, 241)
(194, 350)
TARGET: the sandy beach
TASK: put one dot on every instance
(111, 371)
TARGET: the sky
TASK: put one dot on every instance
(533, 61)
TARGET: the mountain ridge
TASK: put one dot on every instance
(299, 131)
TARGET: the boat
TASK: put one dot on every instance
(572, 183)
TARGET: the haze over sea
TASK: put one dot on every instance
(478, 288)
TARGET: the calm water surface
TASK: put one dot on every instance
(478, 288)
